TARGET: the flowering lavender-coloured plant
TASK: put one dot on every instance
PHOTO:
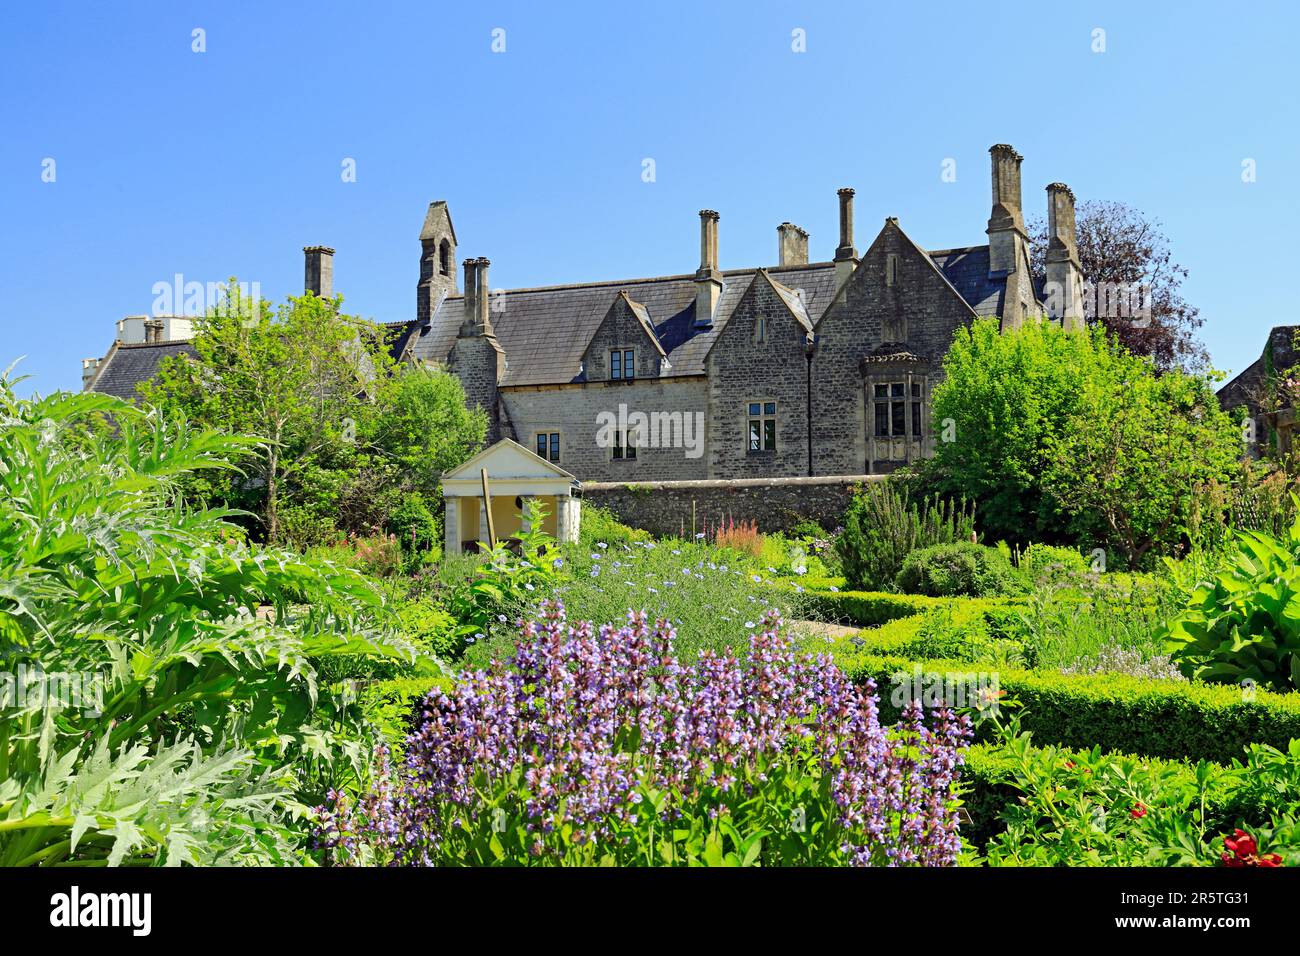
(600, 747)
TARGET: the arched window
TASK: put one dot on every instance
(444, 258)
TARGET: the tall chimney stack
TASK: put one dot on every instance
(708, 280)
(476, 320)
(792, 245)
(1008, 240)
(1006, 229)
(846, 257)
(1064, 289)
(320, 271)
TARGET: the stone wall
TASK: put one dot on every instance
(776, 504)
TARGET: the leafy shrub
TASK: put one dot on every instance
(379, 556)
(960, 568)
(201, 724)
(883, 526)
(601, 524)
(1091, 809)
(1069, 627)
(605, 750)
(1048, 563)
(509, 580)
(1243, 626)
(415, 526)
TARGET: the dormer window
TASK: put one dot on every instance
(622, 364)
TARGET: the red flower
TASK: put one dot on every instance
(1138, 812)
(1241, 849)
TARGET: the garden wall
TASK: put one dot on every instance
(683, 507)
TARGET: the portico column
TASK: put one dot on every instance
(451, 526)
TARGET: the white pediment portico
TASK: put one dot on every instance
(521, 484)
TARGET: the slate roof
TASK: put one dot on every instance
(968, 271)
(544, 331)
(126, 366)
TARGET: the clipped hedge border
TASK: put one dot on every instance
(1149, 718)
(870, 608)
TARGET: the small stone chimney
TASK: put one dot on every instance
(846, 257)
(319, 279)
(1064, 288)
(792, 244)
(153, 331)
(477, 319)
(708, 280)
(89, 367)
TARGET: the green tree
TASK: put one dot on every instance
(1002, 401)
(1132, 462)
(1067, 436)
(421, 422)
(296, 377)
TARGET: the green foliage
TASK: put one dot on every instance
(509, 580)
(1071, 627)
(193, 724)
(712, 600)
(1086, 808)
(1065, 436)
(1045, 563)
(421, 422)
(601, 524)
(866, 608)
(883, 525)
(1243, 625)
(347, 438)
(960, 568)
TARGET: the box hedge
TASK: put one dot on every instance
(1151, 718)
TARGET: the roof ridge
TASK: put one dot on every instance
(152, 345)
(683, 277)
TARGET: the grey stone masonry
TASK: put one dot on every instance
(689, 507)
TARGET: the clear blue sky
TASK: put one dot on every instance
(228, 162)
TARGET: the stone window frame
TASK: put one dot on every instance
(764, 417)
(445, 266)
(760, 330)
(910, 372)
(554, 445)
(891, 269)
(622, 355)
(624, 446)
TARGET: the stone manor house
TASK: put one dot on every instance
(798, 368)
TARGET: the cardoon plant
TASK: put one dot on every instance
(600, 747)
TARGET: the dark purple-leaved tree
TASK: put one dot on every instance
(1119, 247)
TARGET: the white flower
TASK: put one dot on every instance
(529, 587)
(834, 588)
(602, 545)
(756, 579)
(749, 624)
